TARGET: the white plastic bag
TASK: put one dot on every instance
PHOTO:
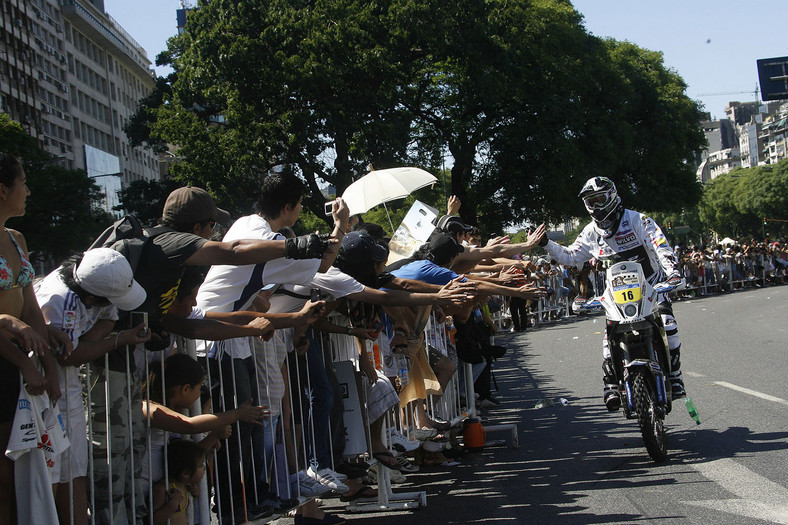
(38, 437)
(37, 425)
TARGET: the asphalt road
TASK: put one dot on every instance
(579, 464)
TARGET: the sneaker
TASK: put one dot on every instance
(351, 470)
(423, 434)
(400, 442)
(256, 512)
(309, 487)
(677, 385)
(280, 505)
(394, 475)
(327, 478)
(341, 476)
(404, 463)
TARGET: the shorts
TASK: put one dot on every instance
(74, 460)
(381, 397)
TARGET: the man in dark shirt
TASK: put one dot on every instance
(188, 219)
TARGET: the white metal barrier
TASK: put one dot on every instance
(123, 443)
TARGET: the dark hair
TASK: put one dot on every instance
(183, 456)
(191, 279)
(277, 191)
(10, 168)
(375, 230)
(422, 253)
(179, 370)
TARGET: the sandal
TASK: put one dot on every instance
(363, 492)
(384, 457)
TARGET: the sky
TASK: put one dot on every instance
(713, 45)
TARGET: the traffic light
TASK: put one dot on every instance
(670, 225)
(764, 221)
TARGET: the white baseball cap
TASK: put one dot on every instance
(103, 272)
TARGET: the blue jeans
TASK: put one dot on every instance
(320, 400)
(274, 458)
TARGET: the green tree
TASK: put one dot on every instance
(516, 97)
(53, 226)
(145, 199)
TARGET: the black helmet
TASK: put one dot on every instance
(601, 200)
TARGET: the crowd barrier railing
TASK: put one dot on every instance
(126, 450)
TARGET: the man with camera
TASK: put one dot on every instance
(231, 287)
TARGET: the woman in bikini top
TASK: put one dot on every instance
(26, 273)
(27, 338)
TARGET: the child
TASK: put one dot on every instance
(82, 298)
(177, 389)
(186, 467)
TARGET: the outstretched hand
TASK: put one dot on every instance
(530, 291)
(538, 237)
(457, 292)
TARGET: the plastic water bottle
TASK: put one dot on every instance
(402, 369)
(544, 403)
(693, 412)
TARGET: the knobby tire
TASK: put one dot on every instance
(651, 426)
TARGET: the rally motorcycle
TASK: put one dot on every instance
(639, 349)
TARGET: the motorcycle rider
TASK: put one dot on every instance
(619, 234)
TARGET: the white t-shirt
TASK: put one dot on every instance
(229, 288)
(333, 284)
(63, 309)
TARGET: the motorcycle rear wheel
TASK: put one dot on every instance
(651, 423)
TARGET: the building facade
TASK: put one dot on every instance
(72, 77)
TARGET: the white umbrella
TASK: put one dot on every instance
(726, 241)
(381, 186)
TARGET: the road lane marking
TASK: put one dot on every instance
(758, 497)
(751, 392)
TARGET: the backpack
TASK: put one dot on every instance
(128, 237)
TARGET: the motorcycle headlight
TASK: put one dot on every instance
(630, 310)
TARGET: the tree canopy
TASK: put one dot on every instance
(735, 204)
(516, 98)
(63, 213)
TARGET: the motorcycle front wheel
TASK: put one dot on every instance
(651, 423)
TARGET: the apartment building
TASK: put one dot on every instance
(72, 77)
(774, 136)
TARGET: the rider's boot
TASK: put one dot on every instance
(611, 395)
(676, 380)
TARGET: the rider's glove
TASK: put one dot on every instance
(674, 279)
(309, 246)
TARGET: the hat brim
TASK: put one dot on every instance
(133, 298)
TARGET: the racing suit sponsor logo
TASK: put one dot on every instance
(627, 238)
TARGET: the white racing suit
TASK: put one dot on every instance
(638, 239)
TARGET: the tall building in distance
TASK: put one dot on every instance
(72, 77)
(752, 134)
